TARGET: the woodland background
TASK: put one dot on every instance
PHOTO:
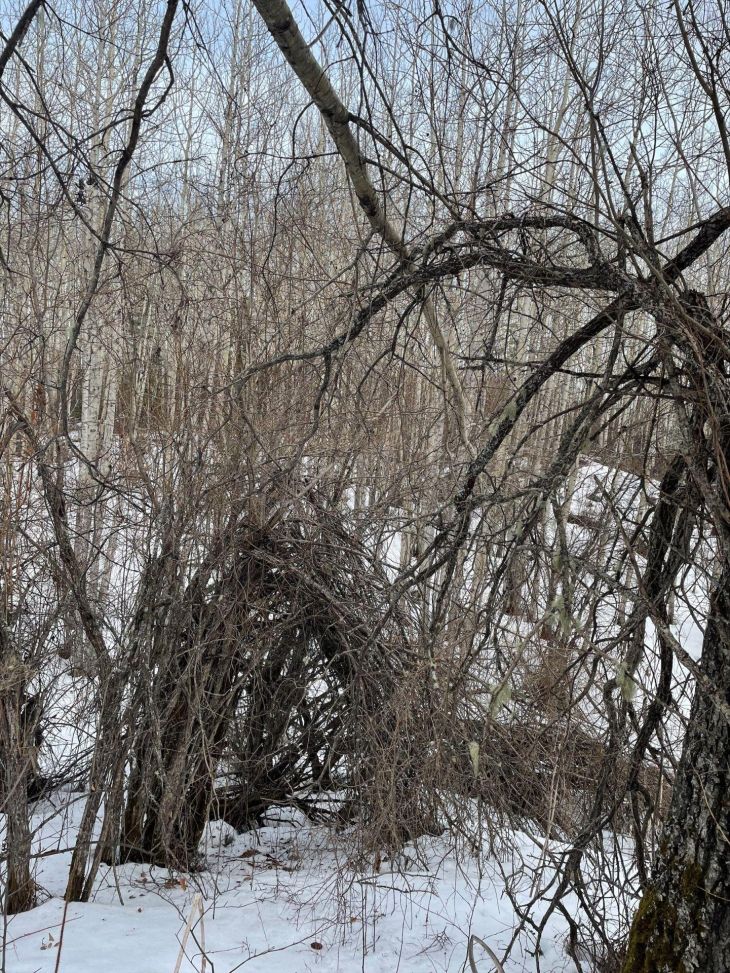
(364, 442)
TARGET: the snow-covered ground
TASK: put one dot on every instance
(283, 899)
(288, 897)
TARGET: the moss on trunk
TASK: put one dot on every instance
(683, 922)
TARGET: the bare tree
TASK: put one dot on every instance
(366, 377)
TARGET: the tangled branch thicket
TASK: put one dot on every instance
(364, 442)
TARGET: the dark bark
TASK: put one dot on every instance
(19, 32)
(171, 784)
(15, 765)
(683, 922)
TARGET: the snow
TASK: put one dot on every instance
(285, 898)
(271, 898)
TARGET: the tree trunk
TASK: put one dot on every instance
(683, 920)
(15, 763)
(19, 886)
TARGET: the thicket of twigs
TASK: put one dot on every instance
(364, 437)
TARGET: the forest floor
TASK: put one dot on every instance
(284, 898)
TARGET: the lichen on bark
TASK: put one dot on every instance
(682, 924)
